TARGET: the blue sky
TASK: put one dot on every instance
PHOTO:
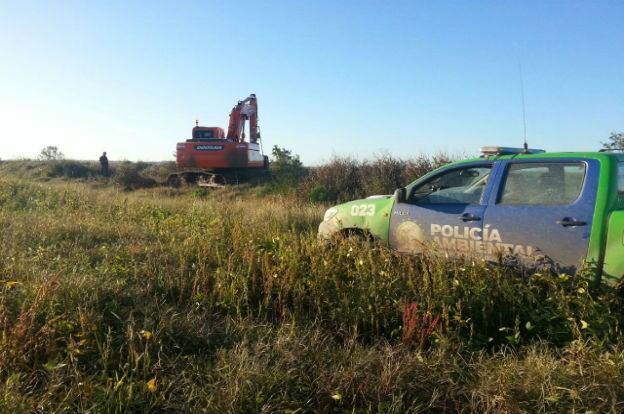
(348, 78)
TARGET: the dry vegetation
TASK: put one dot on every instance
(167, 300)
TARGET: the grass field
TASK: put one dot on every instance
(162, 300)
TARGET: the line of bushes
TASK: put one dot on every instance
(338, 180)
(346, 178)
(126, 174)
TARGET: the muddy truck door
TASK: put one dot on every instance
(542, 210)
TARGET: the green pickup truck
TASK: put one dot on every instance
(561, 209)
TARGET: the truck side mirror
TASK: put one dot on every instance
(400, 195)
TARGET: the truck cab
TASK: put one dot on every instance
(561, 210)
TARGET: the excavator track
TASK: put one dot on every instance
(213, 179)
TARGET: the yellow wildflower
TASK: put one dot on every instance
(151, 385)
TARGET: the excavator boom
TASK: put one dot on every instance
(245, 110)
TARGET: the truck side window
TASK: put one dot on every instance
(621, 177)
(543, 183)
(458, 186)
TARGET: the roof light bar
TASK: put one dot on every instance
(494, 150)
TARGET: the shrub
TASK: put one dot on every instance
(382, 175)
(340, 177)
(128, 176)
(286, 165)
(286, 170)
(346, 178)
(159, 170)
(199, 192)
(50, 153)
(70, 169)
(319, 194)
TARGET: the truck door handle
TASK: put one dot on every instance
(469, 217)
(569, 222)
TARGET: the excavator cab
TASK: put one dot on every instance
(201, 133)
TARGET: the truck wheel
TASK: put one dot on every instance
(358, 236)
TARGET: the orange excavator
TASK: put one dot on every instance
(212, 159)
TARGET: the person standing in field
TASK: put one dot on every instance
(104, 165)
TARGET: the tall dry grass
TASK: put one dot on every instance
(165, 300)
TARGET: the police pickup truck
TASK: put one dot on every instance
(563, 209)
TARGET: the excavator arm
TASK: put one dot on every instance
(245, 110)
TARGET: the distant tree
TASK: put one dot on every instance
(50, 153)
(616, 140)
(284, 158)
(286, 167)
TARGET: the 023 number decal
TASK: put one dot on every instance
(363, 210)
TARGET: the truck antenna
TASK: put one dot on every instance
(526, 145)
(197, 122)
